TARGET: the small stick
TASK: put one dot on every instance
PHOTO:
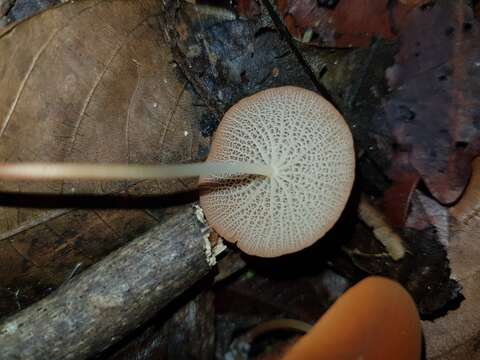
(114, 296)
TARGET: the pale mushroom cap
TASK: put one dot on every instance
(309, 145)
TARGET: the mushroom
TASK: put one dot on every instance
(375, 319)
(277, 178)
(309, 148)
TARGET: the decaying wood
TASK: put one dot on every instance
(112, 297)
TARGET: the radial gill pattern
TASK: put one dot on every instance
(308, 144)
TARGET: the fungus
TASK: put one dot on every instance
(277, 178)
(375, 319)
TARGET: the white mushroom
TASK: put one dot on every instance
(309, 147)
(277, 178)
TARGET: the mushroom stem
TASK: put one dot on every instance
(75, 171)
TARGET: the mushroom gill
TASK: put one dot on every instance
(309, 147)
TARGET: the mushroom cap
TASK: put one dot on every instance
(310, 148)
(375, 319)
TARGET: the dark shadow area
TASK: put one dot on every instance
(88, 201)
(149, 338)
(424, 348)
(452, 305)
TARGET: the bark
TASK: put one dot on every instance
(112, 297)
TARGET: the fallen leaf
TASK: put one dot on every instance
(5, 6)
(228, 59)
(21, 9)
(455, 335)
(411, 2)
(396, 199)
(247, 8)
(89, 81)
(346, 24)
(433, 110)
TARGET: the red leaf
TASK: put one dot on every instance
(247, 8)
(396, 199)
(434, 110)
(348, 24)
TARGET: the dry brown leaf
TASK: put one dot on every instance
(90, 81)
(457, 333)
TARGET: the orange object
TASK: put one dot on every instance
(375, 319)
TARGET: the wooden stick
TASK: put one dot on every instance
(112, 297)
